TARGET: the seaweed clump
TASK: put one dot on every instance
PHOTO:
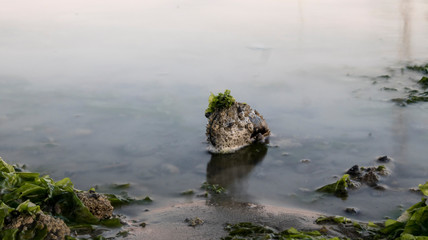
(412, 224)
(219, 101)
(37, 207)
(416, 95)
(27, 221)
(354, 178)
(247, 230)
(419, 68)
(339, 188)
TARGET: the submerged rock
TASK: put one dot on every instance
(97, 204)
(232, 128)
(370, 178)
(384, 159)
(55, 227)
(352, 210)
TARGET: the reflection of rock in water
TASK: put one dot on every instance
(227, 169)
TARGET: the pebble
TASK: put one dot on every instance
(384, 159)
(305, 160)
(352, 210)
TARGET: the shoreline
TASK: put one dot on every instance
(162, 223)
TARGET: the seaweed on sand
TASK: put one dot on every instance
(31, 195)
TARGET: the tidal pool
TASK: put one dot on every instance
(109, 92)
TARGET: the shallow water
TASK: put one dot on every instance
(107, 92)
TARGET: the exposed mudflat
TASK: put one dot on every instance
(170, 222)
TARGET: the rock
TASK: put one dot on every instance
(354, 171)
(305, 160)
(97, 204)
(193, 222)
(380, 187)
(232, 128)
(56, 228)
(384, 159)
(352, 210)
(370, 178)
(170, 169)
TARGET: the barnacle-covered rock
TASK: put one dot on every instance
(98, 204)
(234, 127)
(28, 225)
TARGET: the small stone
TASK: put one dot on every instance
(380, 187)
(384, 159)
(352, 210)
(305, 161)
(370, 178)
(354, 171)
(169, 168)
(354, 184)
(415, 190)
(143, 225)
(194, 222)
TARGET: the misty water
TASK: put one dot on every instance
(109, 92)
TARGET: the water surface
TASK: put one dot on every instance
(106, 92)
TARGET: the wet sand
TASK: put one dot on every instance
(170, 222)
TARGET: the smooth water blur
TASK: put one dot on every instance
(106, 92)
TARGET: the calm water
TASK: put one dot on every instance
(106, 92)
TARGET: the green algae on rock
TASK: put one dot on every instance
(233, 125)
(339, 188)
(419, 68)
(43, 207)
(219, 101)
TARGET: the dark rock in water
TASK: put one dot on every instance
(384, 159)
(232, 128)
(354, 171)
(380, 187)
(352, 210)
(305, 160)
(370, 178)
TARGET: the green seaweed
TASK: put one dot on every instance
(424, 188)
(384, 76)
(219, 101)
(25, 208)
(120, 186)
(339, 188)
(412, 224)
(44, 192)
(118, 200)
(250, 231)
(423, 82)
(419, 68)
(29, 193)
(188, 192)
(416, 99)
(389, 89)
(332, 219)
(213, 188)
